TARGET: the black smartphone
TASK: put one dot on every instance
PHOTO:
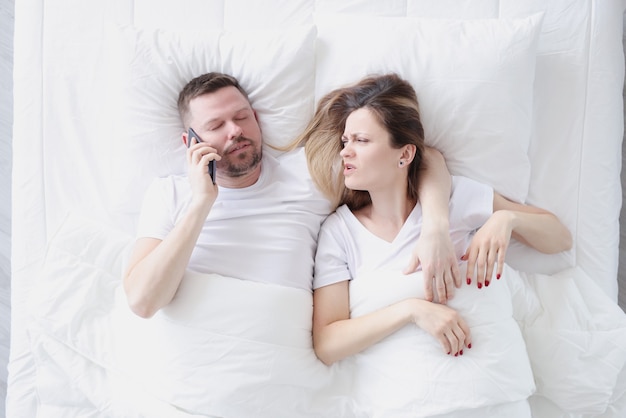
(192, 134)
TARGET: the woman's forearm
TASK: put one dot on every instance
(343, 338)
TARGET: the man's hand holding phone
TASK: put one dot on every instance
(200, 158)
(191, 135)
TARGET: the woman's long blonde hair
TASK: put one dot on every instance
(393, 101)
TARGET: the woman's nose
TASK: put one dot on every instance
(346, 149)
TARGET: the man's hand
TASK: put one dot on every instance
(198, 157)
(434, 252)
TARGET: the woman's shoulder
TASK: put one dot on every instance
(338, 219)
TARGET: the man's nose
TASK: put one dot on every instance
(235, 130)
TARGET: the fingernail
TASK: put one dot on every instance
(480, 285)
(461, 352)
(463, 257)
(498, 276)
(448, 352)
(469, 345)
(486, 282)
(456, 355)
(469, 281)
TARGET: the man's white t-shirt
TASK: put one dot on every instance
(266, 232)
(346, 247)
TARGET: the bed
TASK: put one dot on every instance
(525, 95)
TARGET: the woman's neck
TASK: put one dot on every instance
(386, 215)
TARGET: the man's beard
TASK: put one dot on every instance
(244, 162)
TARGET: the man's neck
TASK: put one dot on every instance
(239, 182)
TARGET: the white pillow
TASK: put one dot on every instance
(474, 80)
(148, 68)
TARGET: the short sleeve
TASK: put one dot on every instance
(331, 258)
(156, 219)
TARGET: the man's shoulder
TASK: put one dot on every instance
(171, 180)
(293, 163)
(171, 184)
(292, 173)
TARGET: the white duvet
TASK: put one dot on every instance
(232, 348)
(409, 374)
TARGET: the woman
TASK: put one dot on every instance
(364, 150)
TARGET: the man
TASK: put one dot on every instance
(260, 221)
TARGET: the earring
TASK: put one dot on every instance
(401, 163)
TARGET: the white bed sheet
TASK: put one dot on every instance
(574, 151)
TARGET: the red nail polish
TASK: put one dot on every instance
(448, 353)
(486, 282)
(469, 345)
(456, 355)
(480, 285)
(498, 276)
(461, 352)
(469, 281)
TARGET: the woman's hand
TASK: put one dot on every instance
(487, 248)
(443, 323)
(435, 253)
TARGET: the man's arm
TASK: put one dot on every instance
(434, 250)
(532, 226)
(156, 267)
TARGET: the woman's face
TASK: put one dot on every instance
(369, 161)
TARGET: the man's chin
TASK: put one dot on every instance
(242, 168)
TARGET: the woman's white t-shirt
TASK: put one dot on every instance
(407, 374)
(346, 247)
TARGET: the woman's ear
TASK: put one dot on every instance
(408, 153)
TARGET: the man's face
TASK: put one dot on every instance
(225, 120)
